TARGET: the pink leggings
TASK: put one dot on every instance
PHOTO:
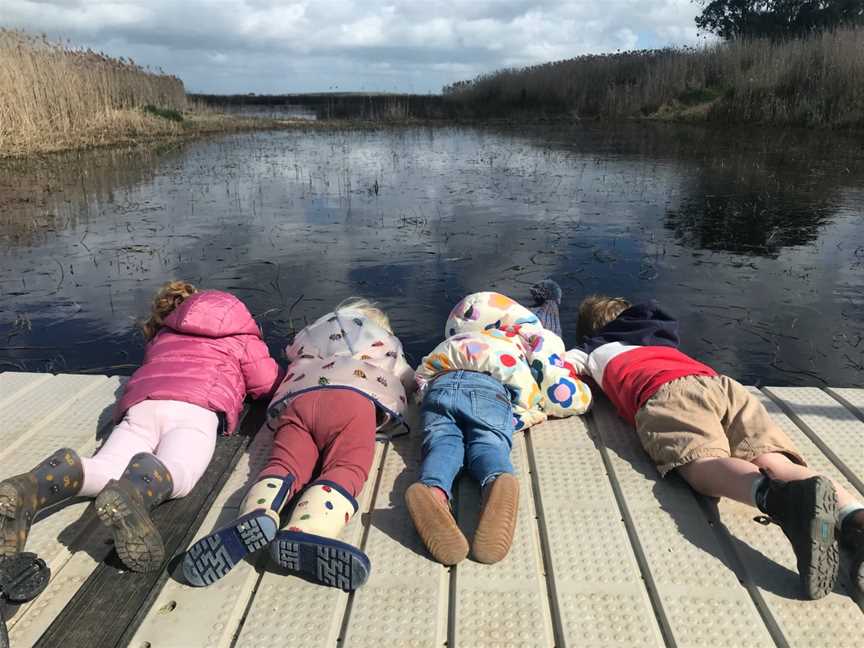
(330, 432)
(181, 435)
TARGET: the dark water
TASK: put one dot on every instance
(754, 239)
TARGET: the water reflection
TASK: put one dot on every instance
(758, 250)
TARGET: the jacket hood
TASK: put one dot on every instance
(213, 314)
(641, 325)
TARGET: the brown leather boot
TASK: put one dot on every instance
(497, 523)
(435, 524)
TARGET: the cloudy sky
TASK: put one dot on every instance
(273, 46)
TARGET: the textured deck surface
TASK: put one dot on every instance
(605, 554)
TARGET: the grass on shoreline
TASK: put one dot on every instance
(815, 81)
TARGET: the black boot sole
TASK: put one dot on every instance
(215, 555)
(328, 562)
(136, 539)
(11, 526)
(820, 569)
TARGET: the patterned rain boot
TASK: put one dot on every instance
(55, 479)
(124, 506)
(309, 544)
(215, 555)
(852, 540)
(497, 523)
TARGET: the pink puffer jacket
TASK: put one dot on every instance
(209, 353)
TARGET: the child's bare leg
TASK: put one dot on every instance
(722, 477)
(779, 466)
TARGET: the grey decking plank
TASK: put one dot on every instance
(405, 602)
(688, 565)
(62, 535)
(770, 564)
(218, 608)
(600, 594)
(517, 583)
(316, 612)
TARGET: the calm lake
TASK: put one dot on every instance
(753, 238)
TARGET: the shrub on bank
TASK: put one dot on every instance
(812, 81)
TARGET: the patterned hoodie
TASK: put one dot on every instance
(347, 350)
(490, 333)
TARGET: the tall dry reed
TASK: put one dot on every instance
(813, 81)
(53, 92)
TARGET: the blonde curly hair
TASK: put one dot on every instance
(596, 311)
(169, 297)
(369, 309)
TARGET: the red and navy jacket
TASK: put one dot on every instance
(633, 356)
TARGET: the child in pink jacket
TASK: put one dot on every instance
(204, 355)
(347, 379)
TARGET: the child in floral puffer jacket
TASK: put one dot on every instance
(498, 371)
(204, 355)
(347, 379)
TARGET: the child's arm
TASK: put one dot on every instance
(404, 372)
(261, 372)
(564, 392)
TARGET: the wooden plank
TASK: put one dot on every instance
(113, 601)
(598, 588)
(317, 613)
(516, 584)
(687, 563)
(405, 602)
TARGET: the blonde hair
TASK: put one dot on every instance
(369, 309)
(596, 311)
(169, 297)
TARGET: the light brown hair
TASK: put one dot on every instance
(169, 297)
(369, 309)
(596, 311)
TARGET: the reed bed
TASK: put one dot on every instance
(812, 81)
(53, 95)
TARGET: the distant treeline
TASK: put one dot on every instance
(817, 80)
(367, 107)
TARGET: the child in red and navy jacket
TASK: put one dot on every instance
(715, 433)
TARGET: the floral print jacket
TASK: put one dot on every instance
(347, 350)
(490, 333)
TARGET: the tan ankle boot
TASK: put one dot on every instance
(435, 524)
(497, 523)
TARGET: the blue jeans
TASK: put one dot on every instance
(467, 421)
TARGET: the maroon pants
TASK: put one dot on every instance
(330, 432)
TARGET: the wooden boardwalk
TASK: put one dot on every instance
(605, 554)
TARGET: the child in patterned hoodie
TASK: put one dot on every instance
(347, 379)
(498, 371)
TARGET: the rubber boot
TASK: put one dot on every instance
(53, 480)
(124, 506)
(215, 555)
(309, 545)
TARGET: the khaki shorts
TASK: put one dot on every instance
(704, 416)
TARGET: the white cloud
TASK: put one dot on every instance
(307, 45)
